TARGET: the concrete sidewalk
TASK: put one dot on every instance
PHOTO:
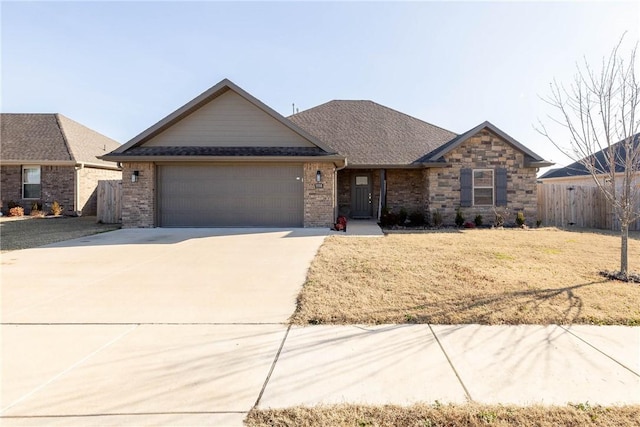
(214, 374)
(405, 364)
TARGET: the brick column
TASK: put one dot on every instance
(138, 198)
(319, 201)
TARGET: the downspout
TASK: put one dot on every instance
(382, 200)
(76, 201)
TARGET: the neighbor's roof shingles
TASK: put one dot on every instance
(51, 137)
(600, 161)
(371, 134)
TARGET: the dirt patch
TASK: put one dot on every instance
(511, 276)
(30, 232)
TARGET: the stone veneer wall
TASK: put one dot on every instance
(138, 198)
(319, 203)
(57, 183)
(482, 151)
(89, 178)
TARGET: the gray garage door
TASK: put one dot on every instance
(233, 195)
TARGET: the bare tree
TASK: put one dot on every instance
(600, 109)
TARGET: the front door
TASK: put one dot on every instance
(361, 196)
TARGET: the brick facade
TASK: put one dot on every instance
(319, 203)
(57, 183)
(405, 189)
(138, 198)
(482, 151)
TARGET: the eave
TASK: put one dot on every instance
(57, 163)
(538, 164)
(338, 161)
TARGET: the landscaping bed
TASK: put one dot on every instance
(484, 276)
(29, 232)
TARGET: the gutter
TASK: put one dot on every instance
(57, 163)
(76, 199)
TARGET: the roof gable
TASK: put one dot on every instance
(437, 154)
(42, 138)
(371, 134)
(195, 124)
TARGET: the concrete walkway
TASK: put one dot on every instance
(361, 228)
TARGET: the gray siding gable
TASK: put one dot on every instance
(242, 133)
(228, 121)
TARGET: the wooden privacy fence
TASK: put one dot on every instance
(563, 205)
(109, 201)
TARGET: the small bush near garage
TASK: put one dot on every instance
(16, 211)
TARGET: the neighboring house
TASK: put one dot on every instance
(49, 157)
(577, 174)
(227, 159)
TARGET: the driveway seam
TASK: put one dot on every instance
(601, 352)
(455, 371)
(273, 366)
(68, 369)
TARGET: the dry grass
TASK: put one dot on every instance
(447, 415)
(511, 276)
(30, 232)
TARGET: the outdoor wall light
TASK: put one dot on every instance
(134, 176)
(318, 176)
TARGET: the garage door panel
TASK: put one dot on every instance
(265, 195)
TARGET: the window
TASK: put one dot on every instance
(31, 182)
(483, 187)
(362, 180)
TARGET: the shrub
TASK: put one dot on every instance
(520, 219)
(538, 223)
(388, 218)
(36, 209)
(16, 211)
(469, 224)
(56, 209)
(437, 218)
(11, 204)
(417, 219)
(500, 216)
(402, 217)
(459, 218)
(478, 220)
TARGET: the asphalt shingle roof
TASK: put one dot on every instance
(51, 137)
(368, 133)
(599, 160)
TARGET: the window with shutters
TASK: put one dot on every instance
(483, 187)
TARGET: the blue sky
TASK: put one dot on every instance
(118, 67)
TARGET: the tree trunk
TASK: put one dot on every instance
(624, 259)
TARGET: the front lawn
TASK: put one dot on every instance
(447, 415)
(510, 276)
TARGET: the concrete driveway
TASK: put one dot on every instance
(153, 326)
